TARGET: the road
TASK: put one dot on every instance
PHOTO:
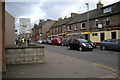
(107, 58)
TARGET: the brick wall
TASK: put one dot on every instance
(10, 30)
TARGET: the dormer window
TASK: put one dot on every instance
(107, 10)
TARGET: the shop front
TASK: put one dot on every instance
(74, 35)
(103, 35)
(62, 35)
(86, 35)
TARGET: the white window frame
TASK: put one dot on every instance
(82, 26)
(107, 10)
(96, 22)
(108, 19)
(69, 28)
(75, 27)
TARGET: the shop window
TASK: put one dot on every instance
(83, 25)
(94, 34)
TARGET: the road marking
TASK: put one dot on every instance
(100, 65)
(109, 68)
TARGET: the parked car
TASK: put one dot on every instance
(39, 41)
(56, 41)
(110, 44)
(48, 42)
(65, 41)
(80, 44)
(44, 41)
(93, 43)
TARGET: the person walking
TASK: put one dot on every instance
(28, 41)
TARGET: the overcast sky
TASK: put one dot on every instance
(49, 9)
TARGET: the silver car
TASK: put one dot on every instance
(110, 44)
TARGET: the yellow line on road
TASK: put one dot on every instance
(107, 67)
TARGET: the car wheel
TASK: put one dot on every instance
(80, 48)
(103, 48)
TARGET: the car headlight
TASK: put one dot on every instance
(83, 44)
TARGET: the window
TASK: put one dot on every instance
(107, 10)
(83, 25)
(108, 21)
(96, 22)
(75, 28)
(61, 29)
(69, 28)
(94, 34)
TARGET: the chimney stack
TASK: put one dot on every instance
(99, 4)
(59, 19)
(48, 19)
(74, 14)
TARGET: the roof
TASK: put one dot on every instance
(96, 13)
(62, 22)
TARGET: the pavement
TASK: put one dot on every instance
(59, 66)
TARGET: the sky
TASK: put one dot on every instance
(48, 9)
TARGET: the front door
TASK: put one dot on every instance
(102, 36)
(113, 35)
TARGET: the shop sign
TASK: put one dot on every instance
(114, 28)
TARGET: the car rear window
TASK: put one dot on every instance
(82, 40)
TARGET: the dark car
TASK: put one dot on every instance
(110, 44)
(65, 41)
(80, 44)
(92, 43)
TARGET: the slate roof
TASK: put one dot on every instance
(93, 14)
(62, 22)
(96, 13)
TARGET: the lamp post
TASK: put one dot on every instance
(88, 28)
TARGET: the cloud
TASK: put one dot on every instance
(52, 9)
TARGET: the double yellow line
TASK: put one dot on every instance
(109, 68)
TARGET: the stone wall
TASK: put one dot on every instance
(24, 55)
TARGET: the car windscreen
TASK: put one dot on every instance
(82, 41)
(58, 39)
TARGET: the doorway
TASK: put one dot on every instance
(113, 35)
(86, 36)
(102, 36)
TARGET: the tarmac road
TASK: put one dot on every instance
(105, 58)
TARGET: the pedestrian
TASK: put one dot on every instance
(16, 40)
(28, 41)
(23, 40)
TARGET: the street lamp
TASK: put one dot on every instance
(88, 28)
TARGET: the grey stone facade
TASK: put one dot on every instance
(24, 55)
